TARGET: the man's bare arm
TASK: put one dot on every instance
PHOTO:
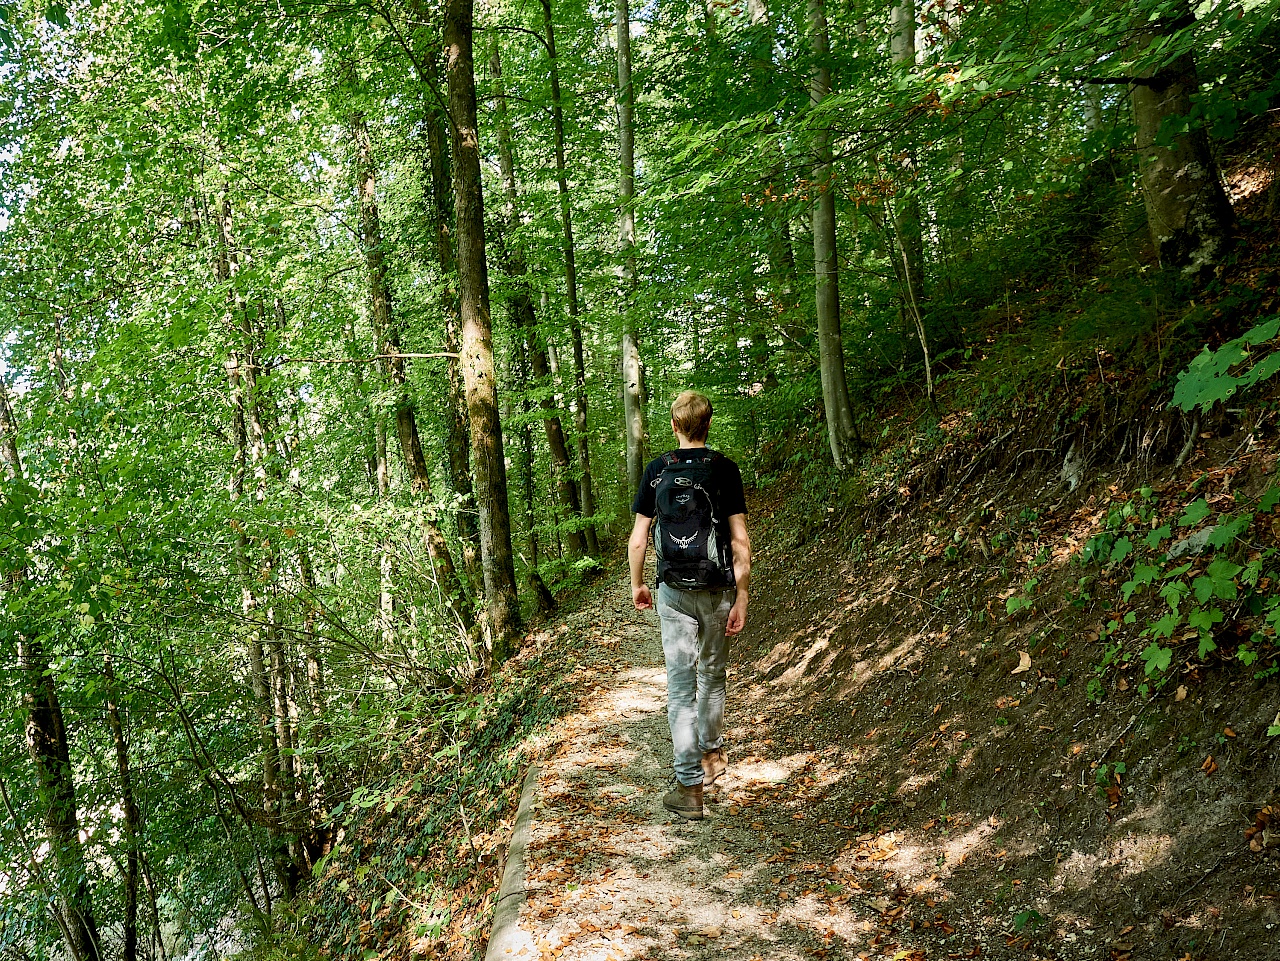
(741, 541)
(636, 548)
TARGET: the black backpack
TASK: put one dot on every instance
(689, 536)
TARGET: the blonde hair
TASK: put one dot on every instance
(691, 412)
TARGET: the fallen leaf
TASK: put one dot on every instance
(1228, 732)
(1024, 663)
(1181, 693)
(1209, 766)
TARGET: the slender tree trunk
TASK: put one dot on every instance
(1188, 212)
(586, 495)
(46, 736)
(520, 308)
(478, 372)
(47, 744)
(157, 923)
(131, 828)
(544, 600)
(316, 695)
(841, 430)
(387, 331)
(247, 432)
(633, 399)
(907, 221)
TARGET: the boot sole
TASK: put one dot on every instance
(687, 815)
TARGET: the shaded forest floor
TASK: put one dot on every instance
(914, 771)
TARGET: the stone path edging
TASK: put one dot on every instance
(511, 893)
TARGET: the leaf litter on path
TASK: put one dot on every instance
(611, 876)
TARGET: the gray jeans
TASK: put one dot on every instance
(696, 650)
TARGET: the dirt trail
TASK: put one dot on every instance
(610, 875)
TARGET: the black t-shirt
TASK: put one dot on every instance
(730, 497)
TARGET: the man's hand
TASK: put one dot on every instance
(641, 597)
(737, 615)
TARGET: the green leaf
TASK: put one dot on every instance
(1269, 499)
(1166, 625)
(1221, 574)
(1207, 645)
(1143, 575)
(1158, 536)
(1120, 551)
(1224, 534)
(1157, 658)
(1207, 379)
(1194, 513)
(56, 14)
(1204, 617)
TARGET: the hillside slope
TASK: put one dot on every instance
(981, 683)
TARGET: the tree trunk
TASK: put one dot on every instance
(520, 308)
(46, 736)
(1188, 213)
(387, 330)
(132, 825)
(544, 600)
(907, 221)
(247, 437)
(502, 605)
(633, 399)
(841, 430)
(586, 495)
(440, 205)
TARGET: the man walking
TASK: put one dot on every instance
(692, 498)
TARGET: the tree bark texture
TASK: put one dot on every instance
(1188, 213)
(488, 463)
(586, 495)
(386, 329)
(633, 399)
(841, 431)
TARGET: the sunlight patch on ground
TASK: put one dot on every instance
(775, 771)
(957, 849)
(907, 651)
(797, 671)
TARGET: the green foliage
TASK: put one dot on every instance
(211, 493)
(1208, 379)
(1198, 596)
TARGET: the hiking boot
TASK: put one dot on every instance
(684, 801)
(714, 763)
